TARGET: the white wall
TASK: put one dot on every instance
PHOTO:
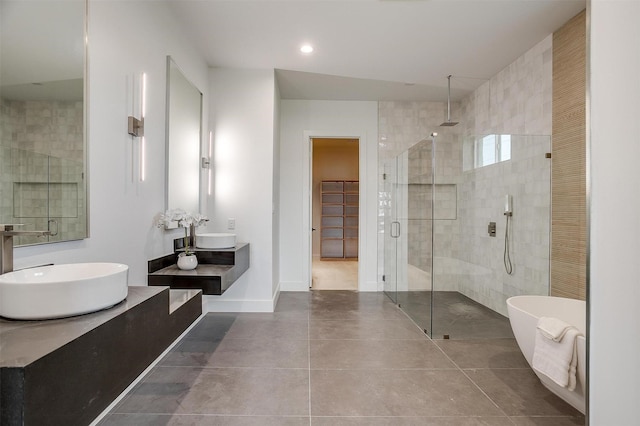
(303, 119)
(125, 38)
(242, 118)
(614, 283)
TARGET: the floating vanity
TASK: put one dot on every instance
(67, 371)
(217, 270)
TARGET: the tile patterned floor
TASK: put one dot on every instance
(454, 314)
(337, 358)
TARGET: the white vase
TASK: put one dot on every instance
(187, 262)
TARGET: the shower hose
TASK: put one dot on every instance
(507, 256)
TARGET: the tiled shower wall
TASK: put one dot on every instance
(517, 100)
(42, 167)
(479, 271)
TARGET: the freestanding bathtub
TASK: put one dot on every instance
(524, 313)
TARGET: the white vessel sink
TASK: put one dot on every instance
(59, 291)
(214, 240)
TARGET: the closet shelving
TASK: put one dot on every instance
(339, 221)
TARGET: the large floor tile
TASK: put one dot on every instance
(200, 420)
(376, 354)
(410, 421)
(484, 353)
(366, 329)
(228, 391)
(349, 305)
(452, 313)
(212, 326)
(490, 328)
(346, 314)
(270, 353)
(261, 326)
(293, 304)
(396, 393)
(352, 300)
(518, 392)
(190, 353)
(548, 421)
(370, 365)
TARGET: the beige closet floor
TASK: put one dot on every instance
(334, 274)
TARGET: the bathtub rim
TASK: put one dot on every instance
(524, 327)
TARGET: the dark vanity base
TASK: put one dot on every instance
(216, 271)
(211, 279)
(74, 383)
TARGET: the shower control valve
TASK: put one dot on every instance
(492, 229)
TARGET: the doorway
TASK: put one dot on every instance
(335, 213)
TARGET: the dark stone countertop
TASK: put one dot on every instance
(23, 342)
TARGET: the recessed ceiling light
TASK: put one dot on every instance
(306, 48)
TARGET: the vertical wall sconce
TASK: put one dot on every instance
(206, 163)
(143, 154)
(135, 126)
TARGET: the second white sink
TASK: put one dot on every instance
(215, 240)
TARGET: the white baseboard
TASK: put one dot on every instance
(275, 296)
(216, 304)
(293, 286)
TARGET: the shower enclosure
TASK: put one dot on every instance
(43, 192)
(440, 200)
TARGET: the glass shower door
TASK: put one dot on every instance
(475, 270)
(389, 178)
(395, 226)
(415, 295)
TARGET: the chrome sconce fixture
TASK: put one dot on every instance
(135, 126)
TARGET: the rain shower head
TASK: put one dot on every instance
(449, 123)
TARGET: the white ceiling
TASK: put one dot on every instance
(369, 49)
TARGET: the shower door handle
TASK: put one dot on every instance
(397, 228)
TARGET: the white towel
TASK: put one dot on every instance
(557, 360)
(553, 328)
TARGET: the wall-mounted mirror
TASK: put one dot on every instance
(42, 118)
(184, 135)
